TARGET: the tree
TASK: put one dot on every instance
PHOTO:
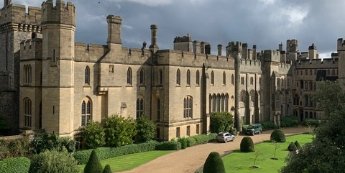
(146, 129)
(326, 153)
(107, 169)
(53, 161)
(93, 135)
(214, 164)
(93, 165)
(247, 145)
(221, 122)
(119, 131)
(257, 154)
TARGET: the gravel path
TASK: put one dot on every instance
(190, 159)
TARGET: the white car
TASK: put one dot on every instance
(225, 137)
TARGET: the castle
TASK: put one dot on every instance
(51, 82)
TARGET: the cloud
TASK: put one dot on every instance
(265, 23)
(147, 2)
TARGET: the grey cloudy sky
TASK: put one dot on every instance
(265, 23)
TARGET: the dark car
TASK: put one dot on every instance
(253, 129)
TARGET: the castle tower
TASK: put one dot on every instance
(235, 49)
(341, 52)
(7, 2)
(58, 29)
(16, 25)
(312, 52)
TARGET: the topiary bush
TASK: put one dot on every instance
(298, 146)
(107, 169)
(214, 164)
(169, 145)
(93, 135)
(292, 147)
(15, 165)
(54, 161)
(146, 129)
(278, 136)
(247, 144)
(93, 165)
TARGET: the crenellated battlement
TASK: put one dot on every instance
(312, 63)
(175, 57)
(60, 13)
(14, 16)
(249, 62)
(89, 52)
(31, 49)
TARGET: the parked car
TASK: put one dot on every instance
(253, 129)
(225, 137)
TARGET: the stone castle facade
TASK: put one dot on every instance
(51, 82)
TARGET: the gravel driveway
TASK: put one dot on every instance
(190, 159)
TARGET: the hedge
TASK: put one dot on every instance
(169, 145)
(17, 165)
(108, 152)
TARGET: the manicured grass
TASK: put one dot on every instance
(127, 162)
(241, 162)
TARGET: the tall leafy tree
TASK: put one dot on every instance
(326, 153)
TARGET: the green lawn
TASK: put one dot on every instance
(127, 162)
(241, 162)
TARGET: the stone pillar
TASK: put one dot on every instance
(236, 51)
(154, 46)
(219, 50)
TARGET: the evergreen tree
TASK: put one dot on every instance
(93, 165)
(107, 169)
(214, 164)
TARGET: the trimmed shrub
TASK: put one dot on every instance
(247, 144)
(146, 129)
(14, 148)
(214, 164)
(203, 139)
(311, 122)
(278, 136)
(107, 152)
(298, 146)
(268, 125)
(45, 141)
(93, 165)
(15, 165)
(119, 131)
(54, 162)
(184, 142)
(107, 169)
(289, 121)
(191, 142)
(93, 135)
(221, 122)
(168, 145)
(292, 147)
